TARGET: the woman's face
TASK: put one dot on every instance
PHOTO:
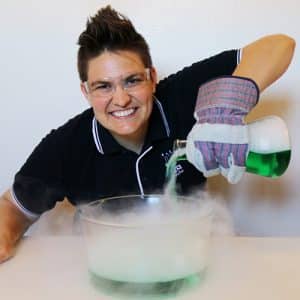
(120, 90)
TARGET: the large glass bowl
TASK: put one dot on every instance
(146, 239)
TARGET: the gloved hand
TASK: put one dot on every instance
(218, 142)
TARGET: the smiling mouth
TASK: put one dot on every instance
(123, 113)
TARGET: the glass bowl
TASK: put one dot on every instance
(146, 239)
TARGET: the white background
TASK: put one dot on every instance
(40, 86)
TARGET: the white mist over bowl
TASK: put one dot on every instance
(146, 239)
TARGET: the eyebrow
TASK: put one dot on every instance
(107, 80)
(99, 82)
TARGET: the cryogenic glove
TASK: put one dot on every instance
(218, 142)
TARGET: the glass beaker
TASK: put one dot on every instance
(269, 147)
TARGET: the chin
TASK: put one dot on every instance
(125, 133)
(127, 128)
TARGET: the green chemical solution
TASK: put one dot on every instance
(177, 156)
(268, 164)
(146, 290)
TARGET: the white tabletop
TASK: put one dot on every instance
(241, 268)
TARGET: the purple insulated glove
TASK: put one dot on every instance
(218, 142)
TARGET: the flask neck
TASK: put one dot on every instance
(179, 144)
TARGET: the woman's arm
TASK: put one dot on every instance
(13, 224)
(266, 59)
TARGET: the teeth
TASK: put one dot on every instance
(123, 113)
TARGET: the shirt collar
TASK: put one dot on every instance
(158, 129)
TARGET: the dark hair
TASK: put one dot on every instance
(111, 31)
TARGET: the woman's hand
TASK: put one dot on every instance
(7, 249)
(218, 142)
(13, 224)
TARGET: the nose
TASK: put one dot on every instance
(120, 97)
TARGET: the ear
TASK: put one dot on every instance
(84, 91)
(153, 75)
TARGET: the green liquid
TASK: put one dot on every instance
(171, 173)
(268, 164)
(146, 290)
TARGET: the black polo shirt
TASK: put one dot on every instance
(83, 162)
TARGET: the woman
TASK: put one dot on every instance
(121, 145)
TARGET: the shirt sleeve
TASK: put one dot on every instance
(190, 78)
(178, 92)
(38, 185)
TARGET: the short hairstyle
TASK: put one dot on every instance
(109, 30)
